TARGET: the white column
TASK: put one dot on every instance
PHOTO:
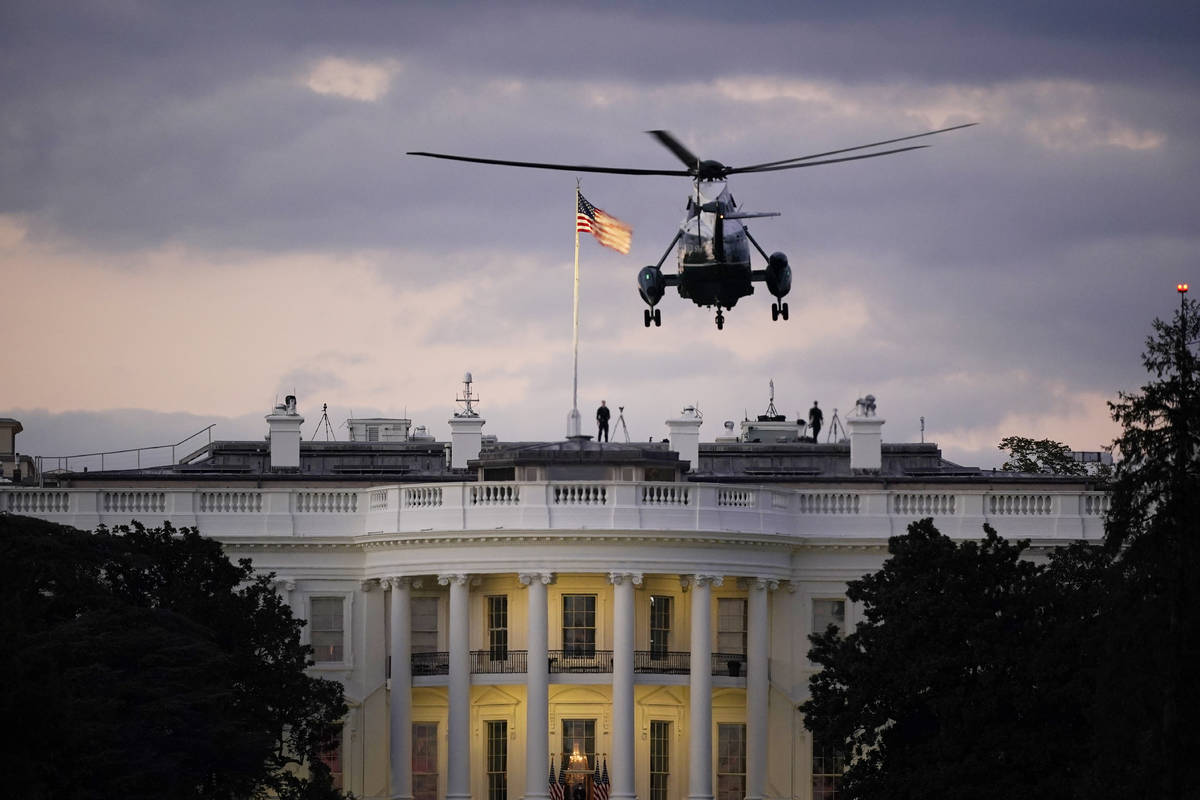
(623, 730)
(700, 768)
(757, 687)
(458, 755)
(400, 697)
(537, 688)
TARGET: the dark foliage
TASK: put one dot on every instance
(978, 673)
(142, 663)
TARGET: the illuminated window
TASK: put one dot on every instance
(425, 760)
(579, 744)
(731, 762)
(497, 759)
(326, 626)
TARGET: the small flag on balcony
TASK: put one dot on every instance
(556, 792)
(596, 779)
(562, 784)
(603, 793)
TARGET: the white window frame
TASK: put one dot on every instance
(347, 599)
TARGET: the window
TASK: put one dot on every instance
(731, 762)
(326, 629)
(497, 760)
(660, 626)
(424, 761)
(579, 743)
(829, 612)
(424, 624)
(828, 764)
(497, 626)
(579, 625)
(372, 433)
(332, 757)
(731, 625)
(660, 758)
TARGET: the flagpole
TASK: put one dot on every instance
(573, 419)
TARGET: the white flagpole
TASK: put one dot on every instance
(573, 419)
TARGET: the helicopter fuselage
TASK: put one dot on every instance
(713, 252)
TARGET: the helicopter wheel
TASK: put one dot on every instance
(646, 317)
(720, 320)
(783, 310)
(657, 317)
(774, 311)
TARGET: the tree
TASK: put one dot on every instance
(1038, 455)
(143, 663)
(953, 685)
(1153, 532)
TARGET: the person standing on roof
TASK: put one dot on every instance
(602, 415)
(815, 418)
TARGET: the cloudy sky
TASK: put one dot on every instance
(204, 206)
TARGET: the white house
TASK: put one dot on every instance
(554, 604)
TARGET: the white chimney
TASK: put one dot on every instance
(283, 424)
(684, 434)
(466, 429)
(866, 437)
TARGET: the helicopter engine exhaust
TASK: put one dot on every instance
(779, 275)
(652, 284)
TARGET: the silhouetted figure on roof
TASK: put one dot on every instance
(602, 415)
(815, 418)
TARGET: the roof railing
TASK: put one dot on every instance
(63, 463)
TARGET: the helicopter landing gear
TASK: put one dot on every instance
(779, 310)
(654, 316)
(720, 319)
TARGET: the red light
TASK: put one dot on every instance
(1181, 287)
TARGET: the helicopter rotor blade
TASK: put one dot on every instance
(755, 167)
(825, 161)
(675, 146)
(561, 167)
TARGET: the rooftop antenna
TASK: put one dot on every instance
(771, 412)
(835, 425)
(922, 430)
(467, 399)
(621, 422)
(324, 423)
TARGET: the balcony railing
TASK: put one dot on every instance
(499, 662)
(431, 663)
(868, 512)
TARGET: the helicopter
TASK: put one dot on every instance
(713, 255)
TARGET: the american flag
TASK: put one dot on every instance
(603, 787)
(556, 789)
(608, 230)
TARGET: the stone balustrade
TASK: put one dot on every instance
(826, 516)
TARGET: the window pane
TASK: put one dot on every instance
(660, 626)
(497, 760)
(731, 762)
(332, 756)
(424, 624)
(828, 612)
(579, 624)
(326, 628)
(828, 764)
(579, 736)
(497, 626)
(660, 759)
(424, 760)
(731, 625)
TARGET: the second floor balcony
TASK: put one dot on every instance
(579, 661)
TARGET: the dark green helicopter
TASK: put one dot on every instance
(713, 245)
